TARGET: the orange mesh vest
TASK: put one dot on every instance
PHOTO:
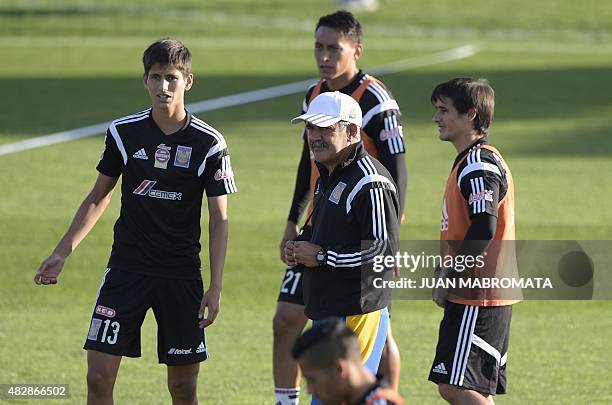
(367, 141)
(500, 260)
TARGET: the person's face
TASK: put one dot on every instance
(327, 385)
(326, 142)
(452, 125)
(167, 86)
(335, 54)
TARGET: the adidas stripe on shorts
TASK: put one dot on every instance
(472, 348)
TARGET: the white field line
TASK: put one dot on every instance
(244, 98)
(495, 42)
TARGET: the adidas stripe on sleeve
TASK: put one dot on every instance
(482, 182)
(371, 202)
(216, 168)
(382, 120)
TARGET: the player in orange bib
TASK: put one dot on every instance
(477, 219)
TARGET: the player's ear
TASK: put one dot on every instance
(188, 81)
(352, 131)
(342, 368)
(144, 79)
(471, 114)
(358, 51)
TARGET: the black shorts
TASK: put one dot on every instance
(472, 348)
(123, 301)
(291, 287)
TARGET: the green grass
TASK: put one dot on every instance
(67, 64)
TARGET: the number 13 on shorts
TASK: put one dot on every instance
(109, 332)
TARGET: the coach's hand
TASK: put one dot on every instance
(305, 253)
(49, 270)
(291, 232)
(289, 254)
(212, 301)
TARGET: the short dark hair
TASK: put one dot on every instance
(466, 93)
(167, 51)
(327, 341)
(344, 22)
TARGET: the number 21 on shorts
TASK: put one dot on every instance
(289, 276)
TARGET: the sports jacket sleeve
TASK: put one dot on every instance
(482, 183)
(376, 210)
(396, 164)
(478, 236)
(301, 191)
(302, 185)
(385, 129)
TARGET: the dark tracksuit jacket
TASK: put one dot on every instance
(355, 218)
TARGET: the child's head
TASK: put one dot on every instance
(344, 23)
(167, 52)
(326, 353)
(467, 94)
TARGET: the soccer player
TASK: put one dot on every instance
(338, 47)
(168, 158)
(329, 357)
(355, 219)
(478, 212)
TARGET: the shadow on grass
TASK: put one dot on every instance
(62, 10)
(76, 10)
(45, 105)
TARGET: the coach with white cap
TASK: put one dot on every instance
(355, 218)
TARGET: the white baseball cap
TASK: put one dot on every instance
(328, 108)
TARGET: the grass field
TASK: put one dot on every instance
(67, 64)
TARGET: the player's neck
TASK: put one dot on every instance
(465, 141)
(169, 120)
(343, 80)
(361, 382)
